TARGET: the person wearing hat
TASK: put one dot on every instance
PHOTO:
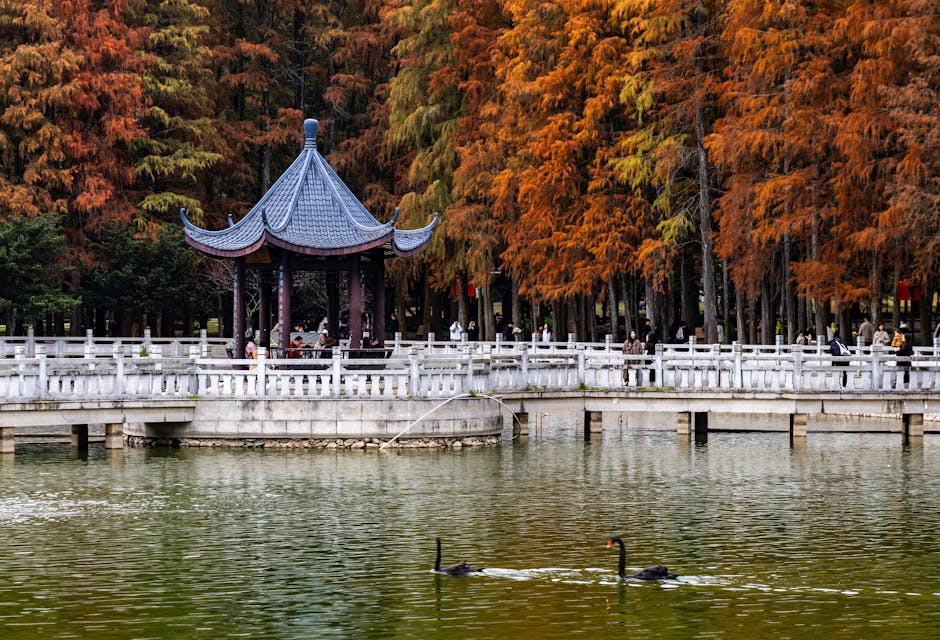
(325, 343)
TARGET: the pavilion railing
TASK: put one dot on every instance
(444, 369)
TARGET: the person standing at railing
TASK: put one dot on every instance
(866, 331)
(881, 337)
(838, 349)
(905, 351)
(631, 347)
(652, 338)
(455, 331)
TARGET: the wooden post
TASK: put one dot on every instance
(113, 435)
(264, 312)
(7, 442)
(80, 437)
(332, 308)
(284, 278)
(378, 295)
(238, 308)
(355, 304)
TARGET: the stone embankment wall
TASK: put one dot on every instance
(318, 443)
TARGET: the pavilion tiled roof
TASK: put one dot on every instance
(310, 210)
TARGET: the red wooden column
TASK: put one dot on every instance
(332, 308)
(238, 307)
(284, 277)
(355, 304)
(264, 312)
(378, 295)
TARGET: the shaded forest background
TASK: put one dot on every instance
(755, 164)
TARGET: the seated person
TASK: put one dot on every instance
(325, 344)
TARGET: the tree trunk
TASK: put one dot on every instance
(768, 328)
(926, 299)
(463, 302)
(571, 326)
(896, 308)
(726, 297)
(705, 226)
(874, 305)
(789, 293)
(487, 319)
(516, 307)
(613, 308)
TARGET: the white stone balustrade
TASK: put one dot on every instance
(443, 369)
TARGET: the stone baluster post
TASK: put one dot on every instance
(797, 355)
(414, 379)
(525, 365)
(261, 371)
(469, 357)
(737, 376)
(43, 380)
(119, 381)
(396, 343)
(30, 342)
(659, 365)
(204, 342)
(156, 353)
(431, 337)
(608, 339)
(581, 366)
(876, 367)
(337, 371)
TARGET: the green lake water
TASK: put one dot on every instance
(839, 538)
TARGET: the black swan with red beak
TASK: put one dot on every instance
(649, 573)
(459, 569)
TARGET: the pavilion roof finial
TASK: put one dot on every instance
(311, 127)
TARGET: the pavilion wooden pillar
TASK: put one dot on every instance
(238, 308)
(378, 295)
(284, 277)
(332, 308)
(355, 304)
(264, 312)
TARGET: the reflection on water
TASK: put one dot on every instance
(834, 539)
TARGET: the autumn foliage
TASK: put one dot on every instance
(752, 161)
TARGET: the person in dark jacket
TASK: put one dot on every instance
(650, 349)
(905, 351)
(838, 348)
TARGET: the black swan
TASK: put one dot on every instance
(649, 573)
(459, 569)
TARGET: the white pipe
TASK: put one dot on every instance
(435, 408)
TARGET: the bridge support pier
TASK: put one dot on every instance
(701, 421)
(520, 424)
(80, 437)
(684, 423)
(798, 422)
(113, 435)
(593, 423)
(7, 443)
(912, 425)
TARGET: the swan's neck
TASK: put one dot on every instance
(622, 563)
(437, 561)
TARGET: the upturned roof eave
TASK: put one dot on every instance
(268, 238)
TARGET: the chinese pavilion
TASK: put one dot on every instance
(308, 220)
